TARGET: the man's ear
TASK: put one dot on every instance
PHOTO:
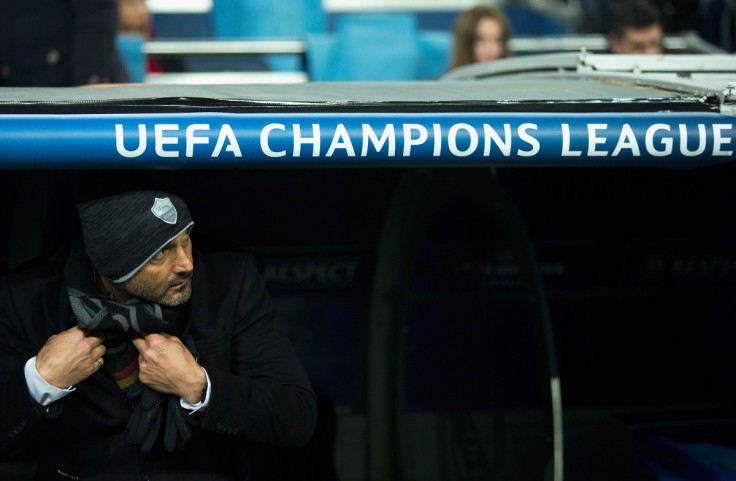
(110, 288)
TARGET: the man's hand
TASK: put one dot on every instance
(167, 366)
(70, 357)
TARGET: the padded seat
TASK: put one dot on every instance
(130, 48)
(369, 47)
(268, 19)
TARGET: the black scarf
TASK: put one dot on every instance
(96, 311)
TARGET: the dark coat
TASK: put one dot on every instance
(260, 391)
(59, 43)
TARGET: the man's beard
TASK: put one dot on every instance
(151, 294)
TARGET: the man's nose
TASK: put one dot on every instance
(183, 262)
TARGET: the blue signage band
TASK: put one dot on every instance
(219, 140)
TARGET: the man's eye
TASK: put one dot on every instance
(158, 255)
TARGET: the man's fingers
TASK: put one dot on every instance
(139, 343)
(99, 351)
(78, 331)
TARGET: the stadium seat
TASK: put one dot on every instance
(130, 48)
(435, 48)
(267, 19)
(182, 25)
(264, 18)
(366, 46)
(528, 21)
(319, 53)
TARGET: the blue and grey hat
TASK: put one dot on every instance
(123, 232)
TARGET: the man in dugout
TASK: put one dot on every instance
(136, 357)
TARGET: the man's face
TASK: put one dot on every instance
(167, 278)
(646, 40)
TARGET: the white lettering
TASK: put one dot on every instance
(566, 152)
(649, 141)
(409, 141)
(528, 139)
(264, 140)
(161, 140)
(119, 137)
(299, 140)
(227, 133)
(452, 140)
(683, 141)
(437, 140)
(386, 136)
(594, 140)
(627, 140)
(341, 140)
(191, 139)
(718, 140)
(490, 134)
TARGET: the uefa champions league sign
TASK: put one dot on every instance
(359, 139)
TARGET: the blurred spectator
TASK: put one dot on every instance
(134, 28)
(481, 34)
(133, 18)
(636, 28)
(57, 43)
(676, 15)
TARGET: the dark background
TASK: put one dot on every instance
(638, 266)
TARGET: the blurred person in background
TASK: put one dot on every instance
(636, 28)
(481, 34)
(59, 43)
(133, 18)
(135, 27)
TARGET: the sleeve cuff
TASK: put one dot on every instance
(41, 391)
(203, 403)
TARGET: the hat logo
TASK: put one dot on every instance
(164, 210)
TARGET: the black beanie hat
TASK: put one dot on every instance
(123, 232)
